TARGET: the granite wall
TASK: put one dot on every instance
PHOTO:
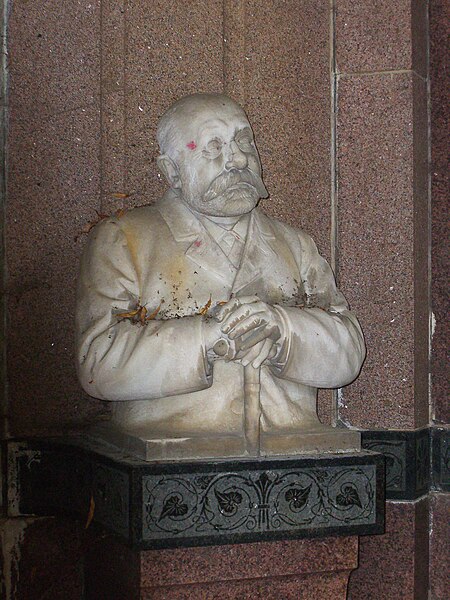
(337, 92)
(53, 189)
(439, 409)
(383, 205)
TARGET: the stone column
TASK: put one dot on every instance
(440, 408)
(382, 207)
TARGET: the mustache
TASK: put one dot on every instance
(228, 179)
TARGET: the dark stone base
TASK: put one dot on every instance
(407, 455)
(410, 474)
(162, 505)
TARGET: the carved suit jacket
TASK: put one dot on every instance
(162, 257)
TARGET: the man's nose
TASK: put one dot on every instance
(236, 158)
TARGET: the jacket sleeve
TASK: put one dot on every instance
(118, 359)
(325, 345)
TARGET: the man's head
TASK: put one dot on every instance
(209, 155)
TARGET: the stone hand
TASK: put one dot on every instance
(254, 326)
(257, 354)
(216, 341)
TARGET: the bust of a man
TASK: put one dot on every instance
(208, 324)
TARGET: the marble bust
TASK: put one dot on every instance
(208, 324)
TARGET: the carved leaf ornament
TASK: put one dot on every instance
(297, 497)
(206, 503)
(228, 502)
(173, 507)
(348, 497)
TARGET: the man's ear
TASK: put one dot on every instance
(170, 170)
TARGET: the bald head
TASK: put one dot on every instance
(186, 114)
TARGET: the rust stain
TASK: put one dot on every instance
(205, 309)
(133, 245)
(139, 315)
(152, 315)
(120, 195)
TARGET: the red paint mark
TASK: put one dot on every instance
(197, 244)
(192, 145)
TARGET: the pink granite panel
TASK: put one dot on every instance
(235, 39)
(382, 36)
(440, 546)
(113, 46)
(172, 49)
(142, 180)
(392, 565)
(53, 189)
(326, 406)
(112, 161)
(440, 209)
(54, 57)
(113, 164)
(184, 566)
(419, 36)
(314, 587)
(52, 193)
(287, 96)
(173, 46)
(421, 548)
(376, 163)
(421, 250)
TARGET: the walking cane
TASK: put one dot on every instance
(252, 404)
(252, 408)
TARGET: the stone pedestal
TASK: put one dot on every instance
(199, 503)
(280, 528)
(288, 570)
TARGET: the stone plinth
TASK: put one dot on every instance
(320, 439)
(197, 503)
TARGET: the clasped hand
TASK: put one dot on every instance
(253, 328)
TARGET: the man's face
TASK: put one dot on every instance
(219, 166)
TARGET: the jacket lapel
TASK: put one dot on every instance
(257, 254)
(200, 248)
